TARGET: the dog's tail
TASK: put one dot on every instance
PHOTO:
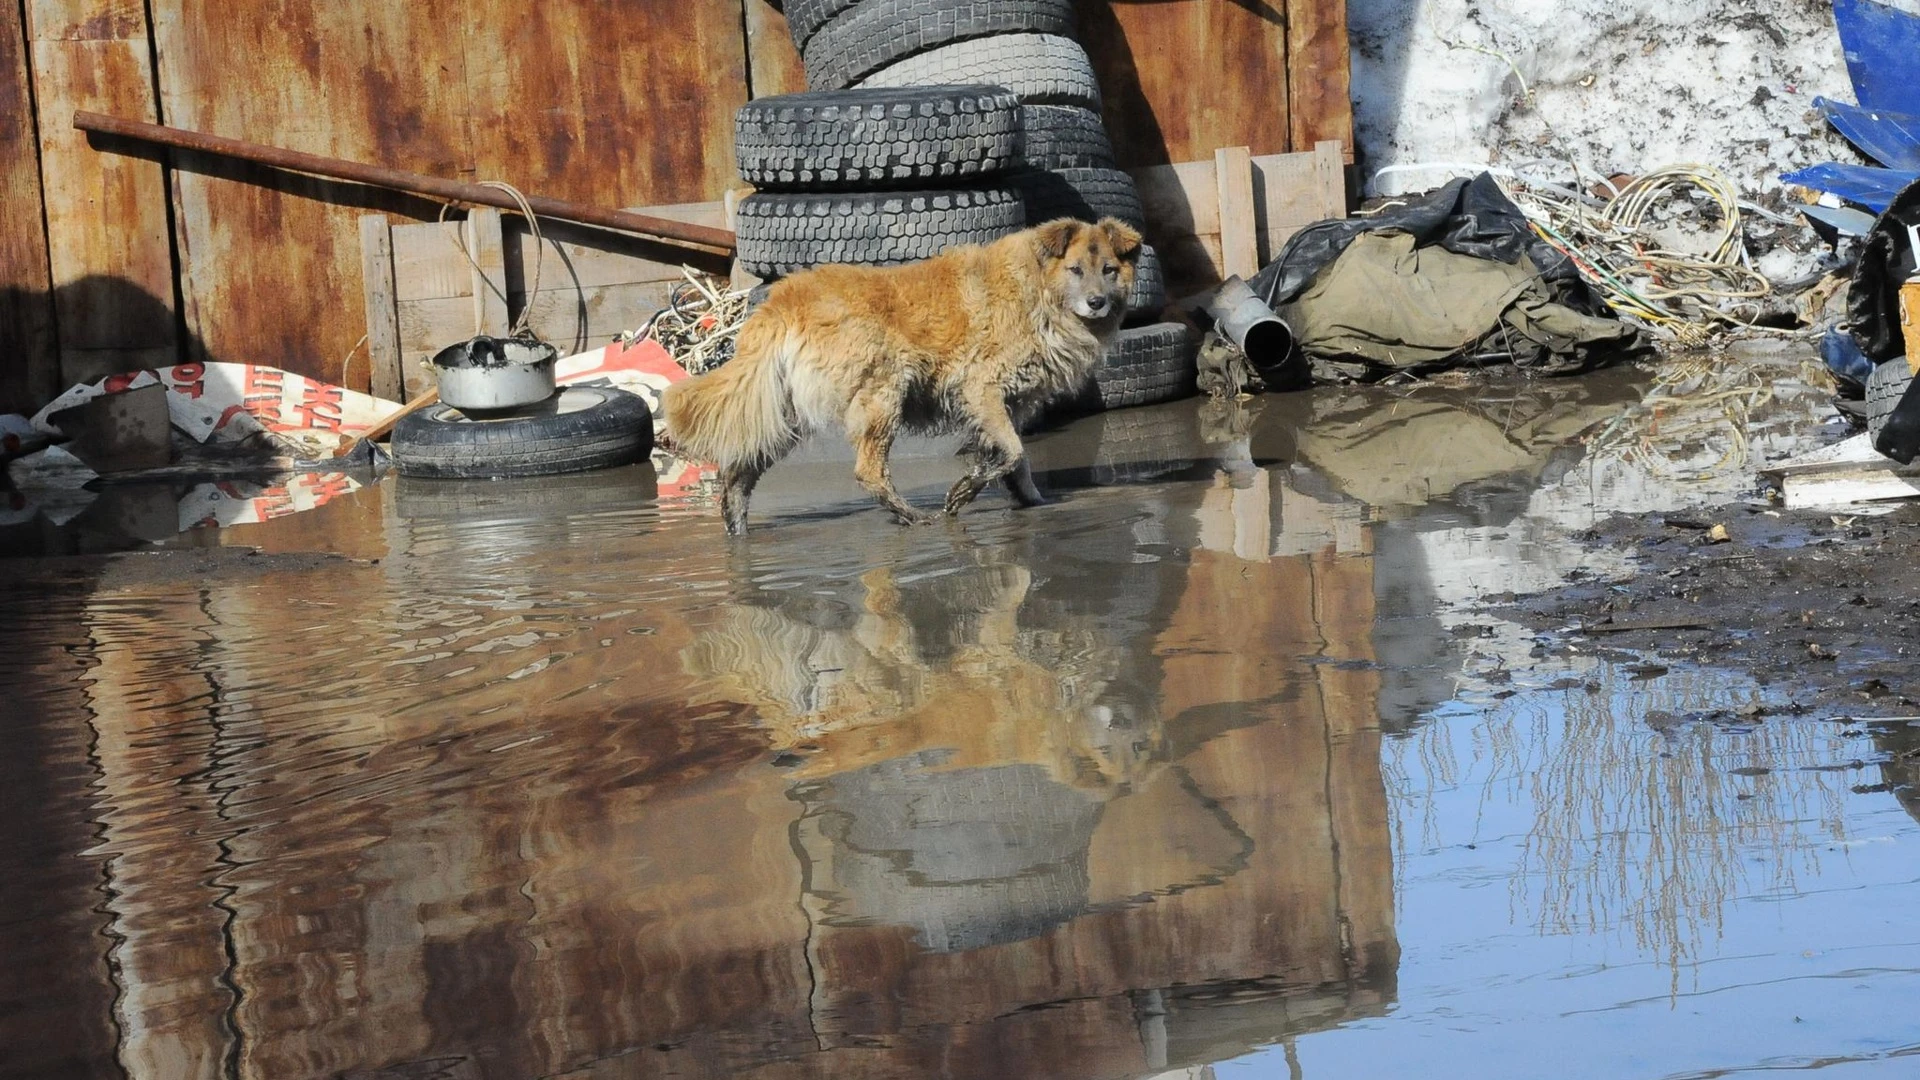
(740, 413)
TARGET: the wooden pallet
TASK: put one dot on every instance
(423, 294)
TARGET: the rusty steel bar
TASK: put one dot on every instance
(699, 237)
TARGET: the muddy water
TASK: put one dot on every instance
(1212, 769)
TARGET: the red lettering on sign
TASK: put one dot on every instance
(320, 407)
(190, 379)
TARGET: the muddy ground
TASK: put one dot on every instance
(1823, 608)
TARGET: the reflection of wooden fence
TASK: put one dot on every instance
(136, 257)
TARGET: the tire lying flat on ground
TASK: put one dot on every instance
(875, 33)
(779, 234)
(1040, 68)
(579, 428)
(919, 136)
(1064, 137)
(1087, 194)
(1145, 365)
(1885, 387)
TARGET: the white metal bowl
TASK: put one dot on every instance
(495, 373)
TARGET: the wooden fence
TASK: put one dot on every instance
(115, 256)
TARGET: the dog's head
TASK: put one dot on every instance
(1089, 268)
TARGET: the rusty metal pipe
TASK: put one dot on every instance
(699, 237)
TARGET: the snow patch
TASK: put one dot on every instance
(1617, 86)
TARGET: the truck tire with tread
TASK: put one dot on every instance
(1885, 387)
(579, 428)
(1064, 137)
(1145, 365)
(1087, 194)
(916, 136)
(1149, 293)
(1040, 68)
(779, 234)
(875, 33)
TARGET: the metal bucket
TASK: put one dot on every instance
(489, 373)
(1246, 320)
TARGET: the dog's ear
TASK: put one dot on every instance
(1124, 238)
(1055, 237)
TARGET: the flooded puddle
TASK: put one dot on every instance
(1214, 768)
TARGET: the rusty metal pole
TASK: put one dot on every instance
(699, 237)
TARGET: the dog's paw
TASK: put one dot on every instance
(911, 518)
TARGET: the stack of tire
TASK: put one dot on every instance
(1061, 165)
(875, 176)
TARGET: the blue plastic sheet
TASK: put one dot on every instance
(1882, 47)
(1890, 138)
(1883, 55)
(1870, 187)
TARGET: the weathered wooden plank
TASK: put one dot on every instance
(1320, 103)
(1330, 160)
(109, 251)
(1239, 242)
(598, 102)
(560, 107)
(383, 326)
(1182, 80)
(1183, 205)
(572, 319)
(773, 64)
(1843, 486)
(30, 364)
(487, 258)
(429, 267)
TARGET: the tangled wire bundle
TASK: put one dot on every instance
(1688, 296)
(700, 323)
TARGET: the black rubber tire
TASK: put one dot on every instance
(922, 136)
(1040, 68)
(579, 428)
(806, 17)
(1087, 194)
(1145, 365)
(1064, 137)
(1149, 295)
(874, 33)
(1885, 387)
(779, 234)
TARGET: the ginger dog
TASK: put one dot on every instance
(973, 340)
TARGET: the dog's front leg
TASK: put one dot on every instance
(997, 449)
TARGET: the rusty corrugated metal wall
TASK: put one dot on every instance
(118, 257)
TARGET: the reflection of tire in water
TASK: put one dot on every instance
(966, 857)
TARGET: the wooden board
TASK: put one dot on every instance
(30, 365)
(109, 249)
(1319, 99)
(594, 284)
(1181, 80)
(1239, 227)
(383, 327)
(1182, 202)
(773, 64)
(604, 103)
